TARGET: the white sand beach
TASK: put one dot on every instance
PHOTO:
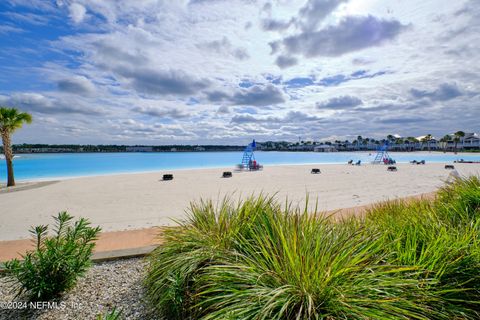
(132, 201)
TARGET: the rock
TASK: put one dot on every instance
(105, 286)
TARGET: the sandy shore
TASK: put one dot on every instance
(133, 201)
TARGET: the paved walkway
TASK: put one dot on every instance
(128, 241)
(137, 242)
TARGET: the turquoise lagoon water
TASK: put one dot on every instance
(62, 165)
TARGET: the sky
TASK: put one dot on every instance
(227, 71)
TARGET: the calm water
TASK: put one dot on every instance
(44, 166)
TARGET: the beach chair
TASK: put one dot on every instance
(350, 162)
(227, 174)
(315, 171)
(392, 168)
(358, 163)
(421, 162)
(449, 166)
(414, 162)
(167, 177)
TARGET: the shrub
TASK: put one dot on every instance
(57, 262)
(459, 202)
(419, 236)
(257, 260)
(111, 315)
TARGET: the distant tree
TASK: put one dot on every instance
(427, 140)
(359, 141)
(10, 120)
(457, 136)
(399, 142)
(412, 141)
(444, 142)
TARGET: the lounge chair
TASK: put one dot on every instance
(227, 174)
(392, 168)
(350, 162)
(421, 162)
(167, 177)
(358, 163)
(449, 166)
(315, 171)
(414, 162)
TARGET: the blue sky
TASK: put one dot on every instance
(218, 71)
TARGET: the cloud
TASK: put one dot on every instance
(286, 61)
(341, 102)
(77, 85)
(35, 102)
(314, 11)
(300, 82)
(446, 91)
(244, 118)
(223, 110)
(173, 113)
(77, 12)
(351, 34)
(291, 117)
(6, 29)
(162, 82)
(308, 18)
(28, 18)
(225, 47)
(217, 96)
(361, 61)
(206, 68)
(255, 95)
(275, 25)
(258, 96)
(338, 79)
(401, 120)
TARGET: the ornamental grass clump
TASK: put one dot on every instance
(418, 235)
(258, 260)
(57, 262)
(459, 202)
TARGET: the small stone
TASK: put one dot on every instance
(105, 286)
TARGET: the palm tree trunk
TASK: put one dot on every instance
(7, 150)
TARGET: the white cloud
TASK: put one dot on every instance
(193, 71)
(77, 12)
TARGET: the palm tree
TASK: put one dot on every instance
(10, 120)
(359, 140)
(400, 142)
(444, 142)
(413, 141)
(427, 140)
(457, 136)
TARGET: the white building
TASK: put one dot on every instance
(324, 148)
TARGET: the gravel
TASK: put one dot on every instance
(105, 286)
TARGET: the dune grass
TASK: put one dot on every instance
(262, 260)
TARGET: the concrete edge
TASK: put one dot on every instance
(122, 253)
(103, 256)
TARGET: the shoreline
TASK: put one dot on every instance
(233, 168)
